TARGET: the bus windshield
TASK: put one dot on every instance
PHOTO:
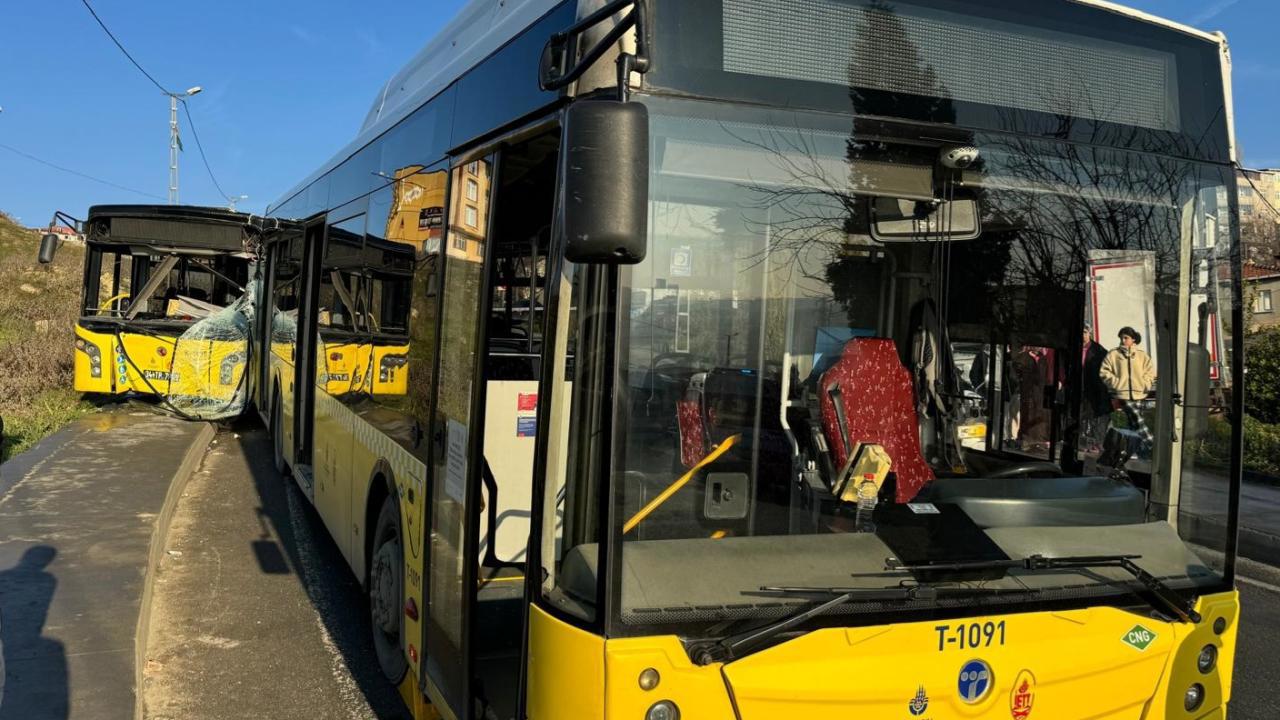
(136, 284)
(807, 392)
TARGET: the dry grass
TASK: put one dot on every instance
(38, 308)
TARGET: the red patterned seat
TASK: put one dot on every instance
(693, 440)
(875, 392)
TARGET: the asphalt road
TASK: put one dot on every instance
(1256, 691)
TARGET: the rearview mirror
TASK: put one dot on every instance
(605, 171)
(898, 220)
(48, 248)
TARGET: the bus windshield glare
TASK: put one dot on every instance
(801, 404)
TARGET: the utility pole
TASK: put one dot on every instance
(175, 144)
(173, 149)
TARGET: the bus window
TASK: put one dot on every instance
(343, 360)
(402, 256)
(110, 277)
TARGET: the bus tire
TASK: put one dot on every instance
(386, 593)
(277, 438)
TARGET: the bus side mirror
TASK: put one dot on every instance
(48, 248)
(605, 171)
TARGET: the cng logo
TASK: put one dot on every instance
(1139, 638)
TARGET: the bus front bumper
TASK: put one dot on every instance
(1097, 663)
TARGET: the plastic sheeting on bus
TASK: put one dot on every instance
(209, 378)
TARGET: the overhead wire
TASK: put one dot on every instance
(149, 76)
(192, 124)
(86, 176)
(106, 30)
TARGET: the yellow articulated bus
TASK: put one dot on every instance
(163, 288)
(734, 359)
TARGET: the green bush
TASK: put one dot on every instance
(1261, 447)
(1262, 376)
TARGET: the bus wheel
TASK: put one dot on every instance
(277, 437)
(386, 594)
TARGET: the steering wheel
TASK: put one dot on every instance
(1028, 468)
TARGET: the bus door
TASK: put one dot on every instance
(341, 363)
(495, 259)
(304, 366)
(450, 575)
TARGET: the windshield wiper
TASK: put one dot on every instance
(735, 646)
(1183, 608)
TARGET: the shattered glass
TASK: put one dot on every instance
(209, 378)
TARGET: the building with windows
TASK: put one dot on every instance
(1256, 189)
(1262, 291)
(65, 234)
(467, 221)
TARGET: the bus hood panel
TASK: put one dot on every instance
(1094, 663)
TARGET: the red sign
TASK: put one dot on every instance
(1023, 695)
(526, 402)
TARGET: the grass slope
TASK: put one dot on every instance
(38, 308)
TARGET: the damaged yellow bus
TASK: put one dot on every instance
(165, 305)
(745, 362)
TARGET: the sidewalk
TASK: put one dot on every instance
(77, 516)
(256, 614)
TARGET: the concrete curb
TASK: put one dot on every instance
(159, 535)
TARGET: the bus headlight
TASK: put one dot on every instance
(1193, 698)
(94, 354)
(388, 365)
(649, 679)
(1207, 659)
(227, 370)
(663, 710)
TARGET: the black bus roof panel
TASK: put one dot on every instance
(171, 226)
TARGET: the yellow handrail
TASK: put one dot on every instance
(106, 305)
(675, 486)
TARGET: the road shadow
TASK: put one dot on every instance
(33, 668)
(306, 549)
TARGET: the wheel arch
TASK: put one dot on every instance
(382, 484)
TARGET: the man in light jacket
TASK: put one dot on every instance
(1129, 375)
(1128, 371)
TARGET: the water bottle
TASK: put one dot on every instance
(866, 505)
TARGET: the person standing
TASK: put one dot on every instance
(1129, 375)
(1095, 398)
(1034, 369)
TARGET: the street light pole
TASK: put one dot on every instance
(174, 143)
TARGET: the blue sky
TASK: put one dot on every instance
(288, 82)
